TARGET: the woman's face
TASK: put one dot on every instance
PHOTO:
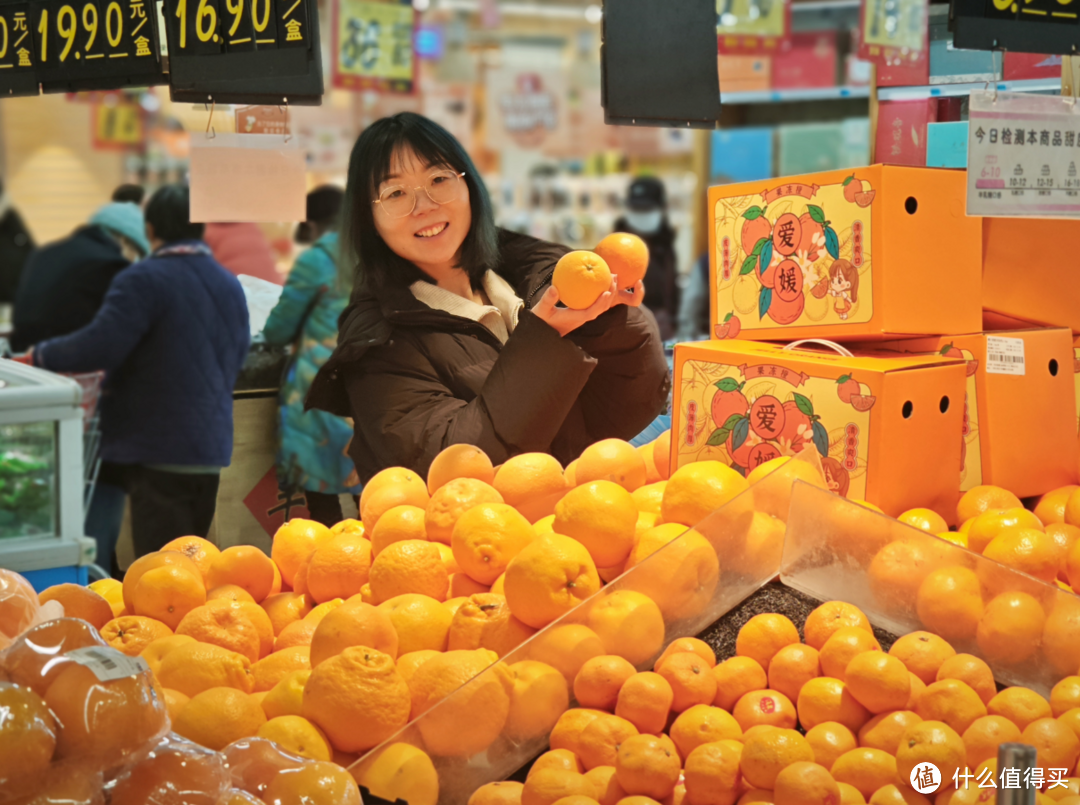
(431, 236)
(839, 283)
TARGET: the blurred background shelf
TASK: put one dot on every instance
(794, 95)
(954, 90)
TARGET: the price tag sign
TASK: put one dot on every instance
(373, 46)
(1023, 155)
(1018, 26)
(752, 26)
(93, 44)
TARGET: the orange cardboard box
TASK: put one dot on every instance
(1026, 271)
(1020, 410)
(871, 254)
(885, 427)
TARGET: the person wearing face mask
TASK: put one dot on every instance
(64, 283)
(646, 217)
(454, 335)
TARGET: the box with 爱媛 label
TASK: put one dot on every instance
(885, 425)
(871, 253)
(1020, 412)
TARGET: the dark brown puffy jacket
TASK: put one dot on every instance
(416, 380)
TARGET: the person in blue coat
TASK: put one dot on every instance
(311, 453)
(172, 335)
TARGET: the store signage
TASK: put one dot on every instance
(373, 46)
(1024, 26)
(893, 32)
(752, 26)
(244, 51)
(117, 125)
(1023, 155)
(226, 51)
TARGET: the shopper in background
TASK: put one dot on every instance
(133, 193)
(15, 247)
(453, 334)
(311, 453)
(646, 217)
(243, 249)
(172, 335)
(64, 283)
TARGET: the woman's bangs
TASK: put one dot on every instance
(420, 142)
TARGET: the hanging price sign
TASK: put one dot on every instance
(752, 26)
(1023, 155)
(373, 46)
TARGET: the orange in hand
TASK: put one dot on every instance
(580, 277)
(627, 257)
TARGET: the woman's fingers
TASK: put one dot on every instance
(637, 294)
(546, 305)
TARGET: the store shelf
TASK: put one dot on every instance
(951, 90)
(793, 95)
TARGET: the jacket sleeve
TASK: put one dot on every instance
(630, 385)
(302, 288)
(405, 414)
(128, 312)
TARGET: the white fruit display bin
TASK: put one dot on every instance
(41, 476)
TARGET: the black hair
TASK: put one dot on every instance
(365, 256)
(323, 213)
(133, 193)
(169, 213)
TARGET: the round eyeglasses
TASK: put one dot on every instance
(442, 187)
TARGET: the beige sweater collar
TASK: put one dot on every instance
(500, 317)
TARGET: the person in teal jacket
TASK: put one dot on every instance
(311, 454)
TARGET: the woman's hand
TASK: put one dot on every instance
(566, 320)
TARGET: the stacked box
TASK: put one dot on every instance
(885, 425)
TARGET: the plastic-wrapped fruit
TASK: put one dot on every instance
(315, 783)
(19, 607)
(32, 659)
(177, 772)
(106, 720)
(67, 784)
(27, 738)
(254, 762)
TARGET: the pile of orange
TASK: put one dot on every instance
(829, 721)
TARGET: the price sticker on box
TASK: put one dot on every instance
(1023, 155)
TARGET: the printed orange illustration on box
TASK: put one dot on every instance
(884, 427)
(873, 253)
(1022, 270)
(1076, 377)
(1020, 424)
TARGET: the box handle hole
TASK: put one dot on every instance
(911, 205)
(907, 409)
(1053, 367)
(944, 404)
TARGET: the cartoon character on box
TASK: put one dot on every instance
(798, 266)
(843, 287)
(747, 415)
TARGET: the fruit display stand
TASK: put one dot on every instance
(695, 580)
(907, 580)
(42, 476)
(821, 548)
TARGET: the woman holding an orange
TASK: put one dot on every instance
(454, 333)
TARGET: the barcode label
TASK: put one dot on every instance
(108, 664)
(1004, 356)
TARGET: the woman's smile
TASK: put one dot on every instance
(433, 231)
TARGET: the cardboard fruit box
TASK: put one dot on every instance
(870, 253)
(886, 428)
(1038, 251)
(1020, 411)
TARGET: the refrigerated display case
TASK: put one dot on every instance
(42, 476)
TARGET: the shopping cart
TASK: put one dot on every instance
(91, 393)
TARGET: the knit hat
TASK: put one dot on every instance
(124, 218)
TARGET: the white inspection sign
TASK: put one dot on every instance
(1023, 155)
